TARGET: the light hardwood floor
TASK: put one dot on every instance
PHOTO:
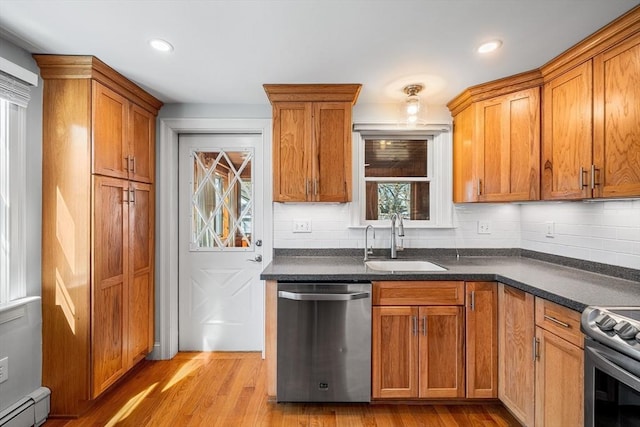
(229, 389)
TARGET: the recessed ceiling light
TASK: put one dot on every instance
(489, 46)
(161, 45)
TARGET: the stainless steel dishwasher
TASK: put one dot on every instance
(324, 342)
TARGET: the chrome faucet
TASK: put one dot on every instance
(394, 247)
(368, 250)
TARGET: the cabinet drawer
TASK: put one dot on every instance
(418, 293)
(559, 320)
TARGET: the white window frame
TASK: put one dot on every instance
(439, 173)
(14, 93)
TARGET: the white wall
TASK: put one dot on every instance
(330, 228)
(21, 339)
(606, 232)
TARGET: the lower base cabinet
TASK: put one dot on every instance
(559, 366)
(418, 340)
(541, 360)
(418, 352)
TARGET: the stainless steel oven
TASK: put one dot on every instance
(612, 366)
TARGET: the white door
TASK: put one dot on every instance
(221, 223)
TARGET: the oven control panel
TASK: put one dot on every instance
(615, 327)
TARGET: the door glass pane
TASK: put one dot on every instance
(222, 199)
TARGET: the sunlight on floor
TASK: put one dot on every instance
(184, 370)
(130, 406)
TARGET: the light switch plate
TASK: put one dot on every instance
(550, 228)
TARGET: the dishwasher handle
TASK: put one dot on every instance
(309, 296)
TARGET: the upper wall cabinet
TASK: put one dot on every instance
(590, 144)
(591, 135)
(496, 141)
(616, 130)
(312, 141)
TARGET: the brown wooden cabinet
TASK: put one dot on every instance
(123, 136)
(312, 142)
(616, 115)
(559, 366)
(567, 135)
(591, 111)
(98, 228)
(516, 332)
(418, 350)
(496, 141)
(481, 339)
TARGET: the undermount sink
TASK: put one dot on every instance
(394, 265)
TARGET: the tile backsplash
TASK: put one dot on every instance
(606, 232)
(602, 231)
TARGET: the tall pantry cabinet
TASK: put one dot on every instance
(97, 228)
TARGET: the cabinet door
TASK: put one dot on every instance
(140, 284)
(292, 152)
(142, 147)
(331, 166)
(616, 145)
(516, 333)
(395, 352)
(110, 115)
(567, 135)
(110, 266)
(559, 382)
(481, 318)
(508, 143)
(465, 181)
(441, 352)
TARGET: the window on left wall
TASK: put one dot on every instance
(14, 97)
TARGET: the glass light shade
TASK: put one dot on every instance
(413, 105)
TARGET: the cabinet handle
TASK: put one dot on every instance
(473, 300)
(415, 325)
(536, 342)
(581, 181)
(133, 164)
(594, 184)
(424, 326)
(127, 159)
(132, 197)
(125, 195)
(479, 187)
(554, 320)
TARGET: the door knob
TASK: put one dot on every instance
(258, 258)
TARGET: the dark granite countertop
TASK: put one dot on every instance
(571, 287)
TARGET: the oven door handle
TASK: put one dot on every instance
(603, 363)
(318, 296)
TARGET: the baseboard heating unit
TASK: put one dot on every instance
(31, 410)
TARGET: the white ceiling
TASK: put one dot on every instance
(226, 49)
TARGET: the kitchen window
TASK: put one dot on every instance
(403, 172)
(14, 96)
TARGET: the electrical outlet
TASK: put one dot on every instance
(302, 226)
(4, 369)
(550, 226)
(484, 227)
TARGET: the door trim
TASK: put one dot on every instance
(166, 284)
